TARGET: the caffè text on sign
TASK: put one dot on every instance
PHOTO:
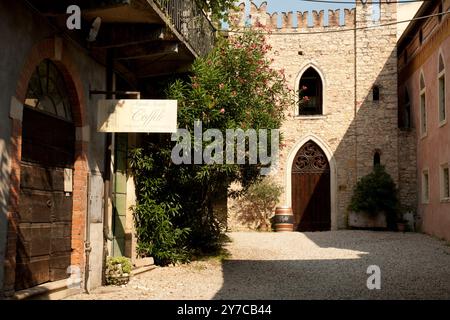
(147, 116)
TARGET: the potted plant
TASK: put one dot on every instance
(118, 270)
(374, 203)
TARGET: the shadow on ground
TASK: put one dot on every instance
(334, 266)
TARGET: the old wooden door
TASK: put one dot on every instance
(311, 202)
(45, 205)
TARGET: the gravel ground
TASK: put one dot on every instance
(319, 265)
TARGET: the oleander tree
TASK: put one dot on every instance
(218, 8)
(233, 87)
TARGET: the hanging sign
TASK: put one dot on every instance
(157, 116)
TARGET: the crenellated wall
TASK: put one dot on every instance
(259, 17)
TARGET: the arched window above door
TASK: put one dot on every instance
(47, 92)
(310, 93)
(48, 133)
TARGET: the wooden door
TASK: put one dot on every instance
(311, 201)
(45, 209)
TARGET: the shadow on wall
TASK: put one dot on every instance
(333, 265)
(373, 137)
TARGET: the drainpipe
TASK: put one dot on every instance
(87, 243)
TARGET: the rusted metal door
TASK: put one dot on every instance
(45, 209)
(311, 203)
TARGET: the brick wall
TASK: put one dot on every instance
(48, 49)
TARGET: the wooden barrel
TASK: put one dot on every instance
(284, 219)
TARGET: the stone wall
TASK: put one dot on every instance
(350, 61)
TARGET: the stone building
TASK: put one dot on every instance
(64, 187)
(423, 64)
(349, 69)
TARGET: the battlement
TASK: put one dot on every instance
(260, 18)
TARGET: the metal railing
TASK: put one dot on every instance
(191, 22)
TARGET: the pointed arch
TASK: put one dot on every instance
(407, 110)
(441, 63)
(333, 173)
(315, 70)
(422, 85)
(376, 158)
(423, 105)
(441, 94)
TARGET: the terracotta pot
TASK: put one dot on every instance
(401, 226)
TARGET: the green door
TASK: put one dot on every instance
(120, 194)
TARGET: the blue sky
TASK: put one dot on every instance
(302, 5)
(299, 5)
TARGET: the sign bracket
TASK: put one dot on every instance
(106, 92)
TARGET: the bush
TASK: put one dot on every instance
(157, 208)
(233, 87)
(257, 204)
(376, 193)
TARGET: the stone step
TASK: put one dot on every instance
(143, 265)
(144, 262)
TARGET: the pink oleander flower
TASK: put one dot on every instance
(304, 87)
(306, 98)
(258, 24)
(222, 111)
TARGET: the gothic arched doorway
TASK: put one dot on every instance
(46, 196)
(311, 201)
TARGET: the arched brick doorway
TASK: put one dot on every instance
(46, 191)
(310, 176)
(54, 51)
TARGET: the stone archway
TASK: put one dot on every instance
(333, 174)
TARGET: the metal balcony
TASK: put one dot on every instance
(188, 21)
